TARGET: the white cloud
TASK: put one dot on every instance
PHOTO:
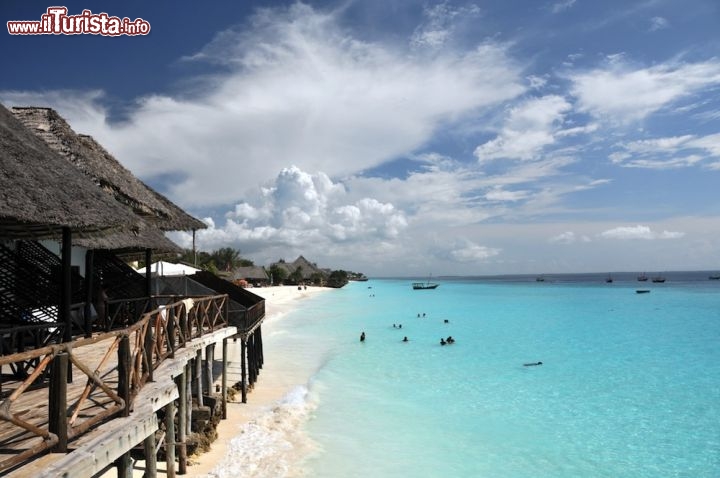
(621, 94)
(562, 6)
(668, 152)
(464, 250)
(567, 237)
(440, 24)
(530, 127)
(658, 23)
(297, 88)
(303, 212)
(639, 232)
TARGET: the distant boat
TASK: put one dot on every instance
(609, 280)
(658, 279)
(642, 291)
(425, 285)
(642, 277)
(540, 279)
(714, 277)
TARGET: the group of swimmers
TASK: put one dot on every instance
(447, 341)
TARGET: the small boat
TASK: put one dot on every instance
(540, 279)
(714, 277)
(642, 291)
(642, 277)
(609, 280)
(658, 279)
(424, 285)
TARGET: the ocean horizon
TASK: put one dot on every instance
(628, 386)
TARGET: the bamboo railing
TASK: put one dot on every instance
(115, 366)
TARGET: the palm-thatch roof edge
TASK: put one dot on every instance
(40, 192)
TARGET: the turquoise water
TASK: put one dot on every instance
(629, 386)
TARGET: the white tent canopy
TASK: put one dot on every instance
(162, 268)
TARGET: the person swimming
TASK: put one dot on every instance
(450, 340)
(532, 364)
(442, 341)
(362, 337)
(405, 339)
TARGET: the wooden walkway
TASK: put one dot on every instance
(50, 426)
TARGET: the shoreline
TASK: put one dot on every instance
(279, 300)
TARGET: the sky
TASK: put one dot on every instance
(399, 137)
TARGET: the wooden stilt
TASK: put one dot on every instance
(224, 378)
(243, 369)
(170, 438)
(182, 419)
(124, 466)
(198, 378)
(150, 456)
(209, 359)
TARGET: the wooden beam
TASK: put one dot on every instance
(150, 456)
(224, 377)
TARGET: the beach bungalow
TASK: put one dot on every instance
(255, 275)
(64, 243)
(301, 270)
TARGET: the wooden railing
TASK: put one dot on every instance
(115, 364)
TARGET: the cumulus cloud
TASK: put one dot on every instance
(529, 127)
(639, 232)
(304, 212)
(620, 93)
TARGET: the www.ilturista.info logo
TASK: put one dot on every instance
(57, 22)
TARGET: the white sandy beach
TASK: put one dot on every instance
(278, 301)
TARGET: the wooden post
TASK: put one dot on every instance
(194, 250)
(198, 378)
(65, 284)
(243, 369)
(170, 438)
(209, 359)
(148, 272)
(149, 344)
(124, 371)
(57, 408)
(171, 331)
(150, 456)
(89, 286)
(261, 355)
(124, 466)
(182, 419)
(224, 378)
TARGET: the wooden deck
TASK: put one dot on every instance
(119, 381)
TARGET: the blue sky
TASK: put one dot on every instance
(406, 137)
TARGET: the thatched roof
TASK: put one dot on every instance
(40, 193)
(306, 267)
(250, 273)
(124, 243)
(97, 163)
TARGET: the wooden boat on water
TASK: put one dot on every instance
(642, 291)
(658, 279)
(642, 277)
(424, 285)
